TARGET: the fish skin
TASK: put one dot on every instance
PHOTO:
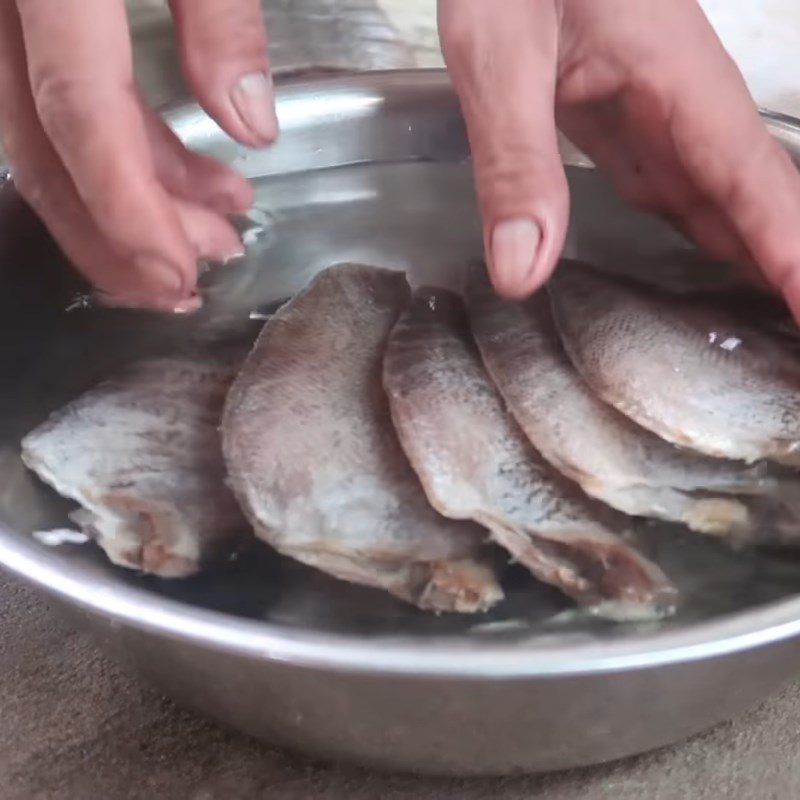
(141, 454)
(608, 455)
(476, 464)
(314, 459)
(687, 370)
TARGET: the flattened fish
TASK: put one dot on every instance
(142, 455)
(475, 463)
(316, 464)
(689, 371)
(612, 458)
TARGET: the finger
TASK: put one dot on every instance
(203, 189)
(192, 176)
(663, 187)
(146, 302)
(644, 137)
(503, 67)
(599, 133)
(702, 223)
(223, 47)
(630, 145)
(43, 182)
(725, 148)
(212, 236)
(82, 82)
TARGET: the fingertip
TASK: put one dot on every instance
(226, 61)
(189, 305)
(211, 236)
(514, 248)
(242, 104)
(253, 98)
(520, 257)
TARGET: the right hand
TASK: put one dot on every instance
(130, 206)
(646, 89)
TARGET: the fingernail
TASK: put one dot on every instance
(253, 98)
(515, 246)
(233, 255)
(157, 271)
(206, 264)
(189, 305)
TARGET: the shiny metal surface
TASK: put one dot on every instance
(373, 168)
(316, 35)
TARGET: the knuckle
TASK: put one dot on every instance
(59, 102)
(511, 190)
(516, 170)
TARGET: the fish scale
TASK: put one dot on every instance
(650, 355)
(315, 462)
(476, 464)
(141, 454)
(612, 458)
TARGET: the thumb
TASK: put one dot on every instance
(503, 66)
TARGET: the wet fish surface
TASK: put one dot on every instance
(314, 459)
(475, 463)
(141, 454)
(684, 368)
(608, 455)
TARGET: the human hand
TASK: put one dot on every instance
(646, 89)
(129, 205)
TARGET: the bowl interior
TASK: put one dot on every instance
(416, 214)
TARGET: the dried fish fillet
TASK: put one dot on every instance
(476, 464)
(612, 458)
(141, 454)
(316, 464)
(685, 369)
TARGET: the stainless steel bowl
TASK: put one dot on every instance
(375, 168)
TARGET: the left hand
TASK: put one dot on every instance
(130, 206)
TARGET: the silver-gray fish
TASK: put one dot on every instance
(684, 368)
(612, 458)
(315, 461)
(475, 463)
(141, 454)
